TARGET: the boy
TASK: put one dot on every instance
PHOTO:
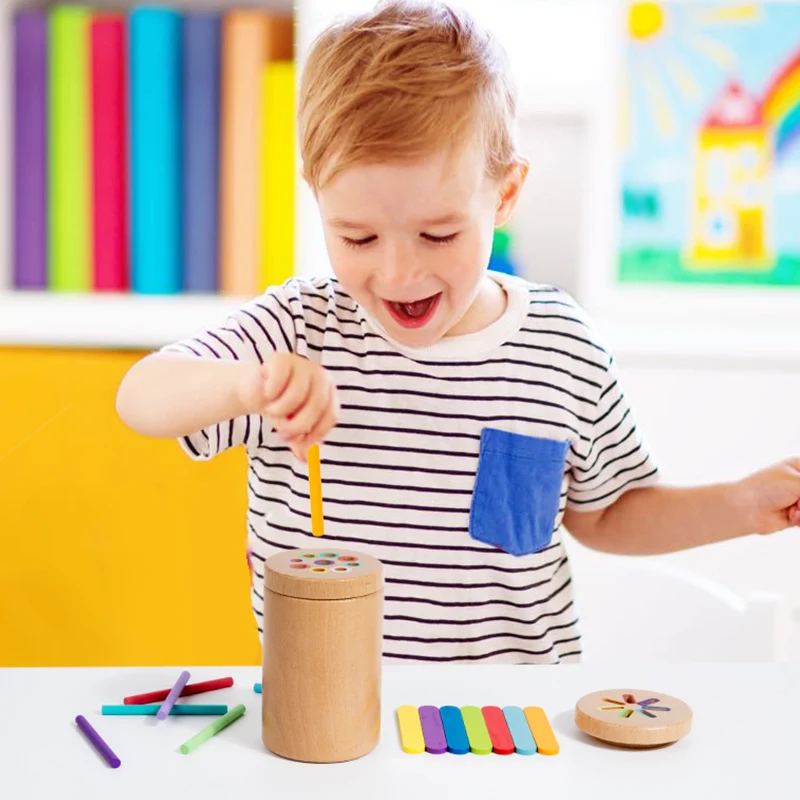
(465, 416)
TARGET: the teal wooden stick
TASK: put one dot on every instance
(215, 727)
(257, 688)
(185, 710)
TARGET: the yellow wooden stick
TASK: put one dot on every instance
(315, 490)
(542, 732)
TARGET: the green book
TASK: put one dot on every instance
(69, 191)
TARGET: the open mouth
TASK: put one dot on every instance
(414, 314)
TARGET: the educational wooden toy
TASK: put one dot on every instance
(633, 717)
(481, 731)
(321, 680)
(190, 688)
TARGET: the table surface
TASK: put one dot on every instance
(742, 744)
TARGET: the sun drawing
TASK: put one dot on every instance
(660, 62)
(629, 706)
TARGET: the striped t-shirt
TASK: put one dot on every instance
(453, 464)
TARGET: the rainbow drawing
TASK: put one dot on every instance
(711, 144)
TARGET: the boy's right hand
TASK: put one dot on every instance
(296, 396)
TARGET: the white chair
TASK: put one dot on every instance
(636, 609)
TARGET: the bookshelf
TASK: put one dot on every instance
(94, 320)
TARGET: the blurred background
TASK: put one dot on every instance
(148, 184)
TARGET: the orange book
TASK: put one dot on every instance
(250, 37)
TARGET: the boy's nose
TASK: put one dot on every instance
(398, 267)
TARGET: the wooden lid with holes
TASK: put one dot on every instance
(633, 717)
(323, 573)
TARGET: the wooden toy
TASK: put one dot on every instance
(174, 694)
(97, 741)
(151, 709)
(211, 730)
(474, 730)
(322, 646)
(633, 717)
(315, 490)
(190, 688)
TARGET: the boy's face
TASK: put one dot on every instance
(410, 242)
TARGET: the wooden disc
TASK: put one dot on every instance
(633, 717)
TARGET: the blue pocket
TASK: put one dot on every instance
(517, 491)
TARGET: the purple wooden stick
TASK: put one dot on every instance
(174, 694)
(30, 153)
(94, 737)
(433, 730)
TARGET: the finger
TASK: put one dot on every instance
(278, 374)
(294, 397)
(300, 451)
(322, 426)
(307, 417)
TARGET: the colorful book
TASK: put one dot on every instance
(109, 152)
(277, 173)
(156, 112)
(201, 47)
(30, 149)
(244, 48)
(69, 192)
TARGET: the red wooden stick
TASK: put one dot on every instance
(190, 688)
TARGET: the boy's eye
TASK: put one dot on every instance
(358, 242)
(429, 237)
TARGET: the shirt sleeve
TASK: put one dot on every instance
(615, 458)
(263, 326)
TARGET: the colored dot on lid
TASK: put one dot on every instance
(330, 555)
(299, 566)
(341, 569)
(347, 558)
(309, 555)
(324, 562)
(319, 569)
(295, 560)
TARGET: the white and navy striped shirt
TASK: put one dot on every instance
(399, 470)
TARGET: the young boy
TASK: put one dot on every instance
(465, 415)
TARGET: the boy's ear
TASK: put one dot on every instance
(510, 189)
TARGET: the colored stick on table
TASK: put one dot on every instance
(257, 688)
(454, 730)
(411, 735)
(97, 741)
(543, 734)
(173, 695)
(212, 729)
(524, 743)
(178, 710)
(315, 490)
(479, 741)
(433, 730)
(502, 743)
(190, 688)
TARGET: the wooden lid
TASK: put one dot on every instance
(323, 573)
(633, 717)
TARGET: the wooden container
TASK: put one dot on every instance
(323, 632)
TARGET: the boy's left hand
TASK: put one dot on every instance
(771, 497)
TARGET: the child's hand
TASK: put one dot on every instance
(296, 396)
(771, 497)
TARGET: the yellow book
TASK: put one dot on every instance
(278, 173)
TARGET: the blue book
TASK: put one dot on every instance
(201, 37)
(156, 186)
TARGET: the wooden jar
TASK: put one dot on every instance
(323, 634)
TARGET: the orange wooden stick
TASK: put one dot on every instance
(315, 490)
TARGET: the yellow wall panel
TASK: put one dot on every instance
(115, 549)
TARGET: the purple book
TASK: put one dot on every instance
(30, 149)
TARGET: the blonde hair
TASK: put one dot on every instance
(400, 83)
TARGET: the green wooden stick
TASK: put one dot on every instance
(215, 727)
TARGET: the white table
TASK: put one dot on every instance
(743, 743)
